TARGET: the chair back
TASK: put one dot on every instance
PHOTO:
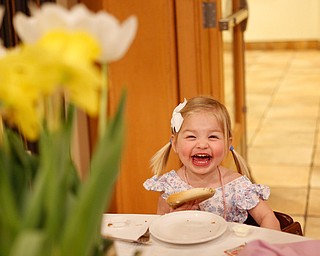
(294, 228)
(284, 219)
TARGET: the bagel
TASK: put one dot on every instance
(177, 199)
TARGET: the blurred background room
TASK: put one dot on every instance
(283, 103)
(267, 71)
(260, 58)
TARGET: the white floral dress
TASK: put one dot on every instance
(240, 195)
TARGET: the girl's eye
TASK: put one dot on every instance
(213, 137)
(190, 137)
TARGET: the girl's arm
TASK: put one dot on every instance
(264, 216)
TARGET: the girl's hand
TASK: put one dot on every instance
(191, 205)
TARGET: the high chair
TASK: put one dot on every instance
(287, 224)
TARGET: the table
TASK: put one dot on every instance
(214, 247)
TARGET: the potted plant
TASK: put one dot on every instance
(44, 207)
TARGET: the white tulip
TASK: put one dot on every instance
(114, 38)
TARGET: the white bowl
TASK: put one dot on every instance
(241, 230)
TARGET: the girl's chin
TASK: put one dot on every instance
(203, 168)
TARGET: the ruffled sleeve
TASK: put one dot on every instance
(247, 195)
(168, 183)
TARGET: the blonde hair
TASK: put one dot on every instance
(160, 158)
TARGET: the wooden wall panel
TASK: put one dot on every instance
(187, 27)
(216, 56)
(199, 51)
(149, 74)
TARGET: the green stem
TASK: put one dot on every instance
(103, 101)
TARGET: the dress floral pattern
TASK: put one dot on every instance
(241, 194)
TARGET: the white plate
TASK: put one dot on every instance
(188, 227)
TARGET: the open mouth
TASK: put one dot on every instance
(201, 159)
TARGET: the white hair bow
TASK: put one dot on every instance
(177, 119)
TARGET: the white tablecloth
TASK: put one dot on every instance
(133, 225)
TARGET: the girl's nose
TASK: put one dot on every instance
(202, 144)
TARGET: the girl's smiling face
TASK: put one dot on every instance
(200, 143)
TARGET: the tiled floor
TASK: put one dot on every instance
(283, 99)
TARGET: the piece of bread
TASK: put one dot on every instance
(177, 199)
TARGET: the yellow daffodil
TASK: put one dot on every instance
(78, 37)
(82, 88)
(74, 52)
(113, 37)
(25, 119)
(72, 47)
(60, 62)
(25, 78)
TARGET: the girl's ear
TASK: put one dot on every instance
(173, 143)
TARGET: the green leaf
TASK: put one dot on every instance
(17, 169)
(50, 197)
(42, 202)
(55, 153)
(83, 224)
(29, 243)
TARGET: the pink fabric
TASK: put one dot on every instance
(261, 248)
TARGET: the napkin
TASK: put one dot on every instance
(262, 248)
(124, 226)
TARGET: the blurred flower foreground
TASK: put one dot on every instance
(59, 67)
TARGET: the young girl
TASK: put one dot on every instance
(201, 137)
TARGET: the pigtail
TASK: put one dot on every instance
(241, 164)
(160, 159)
